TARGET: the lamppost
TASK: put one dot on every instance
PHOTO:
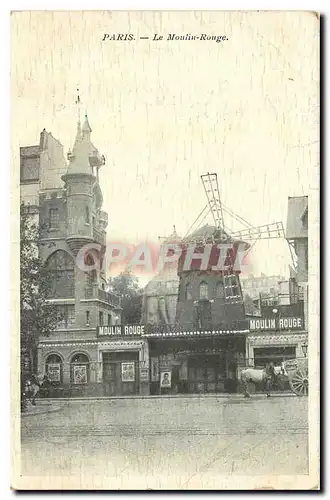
(304, 348)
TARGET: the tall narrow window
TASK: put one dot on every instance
(203, 291)
(66, 316)
(54, 219)
(220, 291)
(109, 320)
(87, 318)
(101, 318)
(87, 215)
(188, 295)
(232, 289)
(235, 286)
(90, 278)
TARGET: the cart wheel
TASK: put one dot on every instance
(299, 383)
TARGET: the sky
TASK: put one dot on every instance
(165, 112)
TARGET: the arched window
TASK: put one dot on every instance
(54, 368)
(203, 291)
(220, 291)
(79, 369)
(188, 295)
(61, 267)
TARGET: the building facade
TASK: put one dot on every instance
(66, 199)
(195, 335)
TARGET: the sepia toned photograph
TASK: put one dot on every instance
(165, 215)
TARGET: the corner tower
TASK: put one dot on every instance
(85, 222)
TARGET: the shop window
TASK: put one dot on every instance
(188, 294)
(61, 268)
(220, 291)
(79, 369)
(66, 316)
(54, 368)
(264, 355)
(203, 291)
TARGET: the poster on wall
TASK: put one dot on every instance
(80, 374)
(165, 379)
(144, 374)
(128, 372)
(54, 372)
(154, 369)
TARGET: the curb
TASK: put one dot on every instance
(171, 396)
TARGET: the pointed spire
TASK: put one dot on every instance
(78, 134)
(86, 128)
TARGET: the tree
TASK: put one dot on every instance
(126, 285)
(37, 316)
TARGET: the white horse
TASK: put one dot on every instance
(259, 376)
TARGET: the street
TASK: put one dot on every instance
(185, 440)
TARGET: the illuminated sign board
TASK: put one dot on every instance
(277, 324)
(120, 330)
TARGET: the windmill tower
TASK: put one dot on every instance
(211, 298)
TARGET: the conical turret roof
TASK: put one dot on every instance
(84, 154)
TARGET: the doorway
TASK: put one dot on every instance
(120, 373)
(206, 374)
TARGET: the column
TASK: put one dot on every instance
(144, 368)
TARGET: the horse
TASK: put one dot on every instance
(31, 389)
(259, 376)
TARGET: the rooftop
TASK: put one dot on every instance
(297, 220)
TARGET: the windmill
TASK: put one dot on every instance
(246, 233)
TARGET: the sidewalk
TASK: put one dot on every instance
(41, 407)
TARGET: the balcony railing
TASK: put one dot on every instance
(109, 297)
(98, 293)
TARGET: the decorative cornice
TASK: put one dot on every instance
(116, 344)
(276, 339)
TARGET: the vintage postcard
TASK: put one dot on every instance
(165, 214)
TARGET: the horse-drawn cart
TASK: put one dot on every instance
(297, 371)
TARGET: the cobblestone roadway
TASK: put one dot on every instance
(186, 439)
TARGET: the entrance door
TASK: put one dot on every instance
(205, 374)
(120, 373)
(109, 378)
